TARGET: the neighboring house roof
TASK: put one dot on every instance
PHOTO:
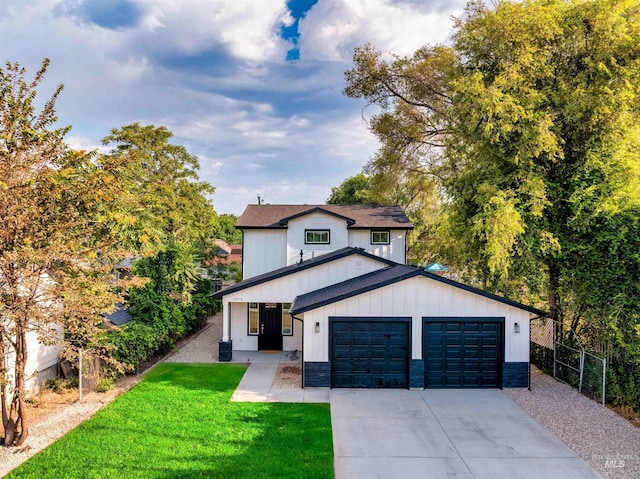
(356, 216)
(383, 277)
(120, 316)
(226, 254)
(224, 247)
(294, 268)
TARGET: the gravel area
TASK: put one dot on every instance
(203, 348)
(289, 373)
(606, 441)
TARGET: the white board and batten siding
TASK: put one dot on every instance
(263, 250)
(285, 289)
(394, 251)
(338, 236)
(417, 297)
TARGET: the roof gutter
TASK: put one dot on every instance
(302, 354)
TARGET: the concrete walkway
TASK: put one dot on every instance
(256, 384)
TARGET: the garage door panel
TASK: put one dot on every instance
(462, 353)
(369, 354)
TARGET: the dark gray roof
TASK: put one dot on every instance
(294, 268)
(384, 277)
(356, 216)
(120, 316)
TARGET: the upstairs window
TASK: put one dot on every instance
(316, 236)
(380, 237)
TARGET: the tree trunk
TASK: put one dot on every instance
(14, 419)
(554, 294)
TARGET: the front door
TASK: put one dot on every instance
(270, 332)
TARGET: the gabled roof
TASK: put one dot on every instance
(383, 277)
(356, 216)
(294, 268)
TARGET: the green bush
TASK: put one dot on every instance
(104, 385)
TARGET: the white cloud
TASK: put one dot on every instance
(249, 30)
(332, 28)
(76, 142)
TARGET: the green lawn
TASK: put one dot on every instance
(179, 423)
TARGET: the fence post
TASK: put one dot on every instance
(581, 371)
(80, 373)
(604, 379)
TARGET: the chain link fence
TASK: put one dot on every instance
(90, 372)
(571, 364)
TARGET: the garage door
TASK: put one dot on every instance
(369, 353)
(463, 353)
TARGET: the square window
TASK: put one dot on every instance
(316, 236)
(379, 237)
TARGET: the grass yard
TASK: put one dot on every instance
(179, 423)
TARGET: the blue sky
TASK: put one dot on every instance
(252, 87)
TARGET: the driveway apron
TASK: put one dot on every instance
(444, 433)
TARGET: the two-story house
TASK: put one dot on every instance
(331, 281)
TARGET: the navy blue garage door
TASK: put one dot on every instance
(369, 352)
(463, 353)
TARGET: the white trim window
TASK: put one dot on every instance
(287, 320)
(317, 237)
(380, 237)
(253, 319)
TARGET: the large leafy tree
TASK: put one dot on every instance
(56, 239)
(529, 124)
(173, 205)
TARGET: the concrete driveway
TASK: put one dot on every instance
(443, 433)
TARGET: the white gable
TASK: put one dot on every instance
(338, 235)
(286, 288)
(418, 297)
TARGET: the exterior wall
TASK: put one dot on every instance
(242, 341)
(394, 251)
(239, 325)
(417, 297)
(42, 362)
(338, 236)
(263, 251)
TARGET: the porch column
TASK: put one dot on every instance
(225, 347)
(226, 320)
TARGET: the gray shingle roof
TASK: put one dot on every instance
(357, 216)
(120, 316)
(384, 277)
(294, 268)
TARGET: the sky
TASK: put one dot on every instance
(253, 88)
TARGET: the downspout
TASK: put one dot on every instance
(302, 355)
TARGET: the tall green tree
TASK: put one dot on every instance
(529, 124)
(56, 239)
(173, 204)
(352, 191)
(225, 229)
